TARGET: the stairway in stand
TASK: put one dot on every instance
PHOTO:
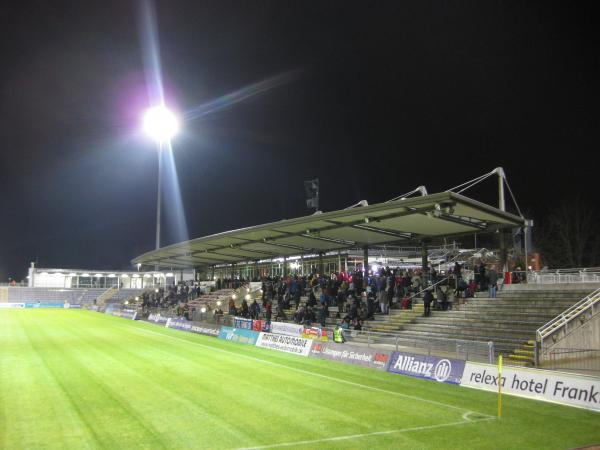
(510, 321)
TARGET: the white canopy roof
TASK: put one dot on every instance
(438, 215)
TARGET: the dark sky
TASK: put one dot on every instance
(385, 96)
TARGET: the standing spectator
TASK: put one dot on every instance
(383, 301)
(493, 281)
(255, 310)
(482, 277)
(427, 299)
(324, 313)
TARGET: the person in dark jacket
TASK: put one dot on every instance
(427, 299)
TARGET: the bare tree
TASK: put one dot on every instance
(569, 236)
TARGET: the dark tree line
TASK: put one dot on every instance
(568, 236)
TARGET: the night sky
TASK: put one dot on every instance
(382, 97)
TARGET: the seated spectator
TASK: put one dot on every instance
(471, 289)
(345, 323)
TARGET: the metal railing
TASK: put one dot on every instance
(574, 359)
(560, 276)
(452, 348)
(559, 322)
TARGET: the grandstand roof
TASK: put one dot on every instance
(438, 215)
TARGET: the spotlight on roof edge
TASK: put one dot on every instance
(160, 124)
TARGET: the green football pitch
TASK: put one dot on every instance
(74, 379)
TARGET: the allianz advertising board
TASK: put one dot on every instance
(443, 370)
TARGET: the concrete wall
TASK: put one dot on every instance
(581, 333)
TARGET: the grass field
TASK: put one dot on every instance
(76, 379)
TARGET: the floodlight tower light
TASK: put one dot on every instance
(160, 124)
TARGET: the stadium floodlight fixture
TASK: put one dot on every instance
(72, 274)
(160, 124)
(203, 310)
(169, 274)
(247, 289)
(84, 274)
(98, 275)
(156, 290)
(234, 296)
(112, 275)
(248, 297)
(137, 298)
(147, 275)
(124, 276)
(127, 302)
(219, 303)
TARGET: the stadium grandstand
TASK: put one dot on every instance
(385, 289)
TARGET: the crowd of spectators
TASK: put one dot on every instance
(357, 299)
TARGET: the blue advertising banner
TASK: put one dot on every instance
(430, 367)
(44, 305)
(184, 325)
(242, 322)
(125, 313)
(240, 335)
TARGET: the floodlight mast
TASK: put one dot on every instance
(161, 125)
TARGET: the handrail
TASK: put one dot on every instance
(567, 316)
(430, 286)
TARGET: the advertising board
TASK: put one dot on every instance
(44, 305)
(366, 357)
(184, 325)
(242, 322)
(12, 305)
(124, 313)
(290, 329)
(557, 387)
(158, 318)
(443, 370)
(240, 335)
(284, 343)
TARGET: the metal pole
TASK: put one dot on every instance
(365, 267)
(501, 175)
(158, 197)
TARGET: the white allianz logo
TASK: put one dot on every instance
(440, 371)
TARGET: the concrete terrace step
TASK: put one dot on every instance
(521, 302)
(494, 323)
(502, 343)
(484, 332)
(485, 309)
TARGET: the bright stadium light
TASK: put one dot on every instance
(219, 303)
(160, 124)
(248, 297)
(234, 296)
(203, 310)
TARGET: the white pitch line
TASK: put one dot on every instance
(358, 436)
(337, 380)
